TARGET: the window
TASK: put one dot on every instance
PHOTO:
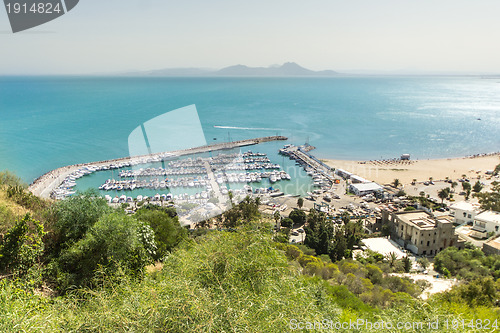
(421, 242)
(465, 214)
(424, 253)
(496, 228)
(469, 216)
(428, 243)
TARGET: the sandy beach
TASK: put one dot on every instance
(384, 172)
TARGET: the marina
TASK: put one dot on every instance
(203, 179)
(59, 183)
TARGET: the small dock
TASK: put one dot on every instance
(47, 183)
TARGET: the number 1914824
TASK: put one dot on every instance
(35, 8)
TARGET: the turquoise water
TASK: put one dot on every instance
(48, 122)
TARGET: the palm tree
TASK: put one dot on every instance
(453, 185)
(277, 218)
(443, 194)
(396, 183)
(392, 258)
(414, 181)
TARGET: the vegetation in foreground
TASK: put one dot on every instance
(79, 265)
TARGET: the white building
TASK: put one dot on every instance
(464, 212)
(343, 173)
(364, 188)
(358, 180)
(488, 221)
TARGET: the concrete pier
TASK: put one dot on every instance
(45, 184)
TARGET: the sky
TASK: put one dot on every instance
(114, 36)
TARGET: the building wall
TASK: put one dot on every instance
(490, 226)
(461, 216)
(489, 249)
(422, 241)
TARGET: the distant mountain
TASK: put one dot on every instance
(287, 69)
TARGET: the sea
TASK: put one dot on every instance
(50, 122)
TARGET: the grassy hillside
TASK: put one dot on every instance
(223, 282)
(87, 268)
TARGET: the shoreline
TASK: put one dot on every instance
(385, 171)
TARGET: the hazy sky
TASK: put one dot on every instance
(122, 35)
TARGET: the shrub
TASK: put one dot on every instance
(114, 245)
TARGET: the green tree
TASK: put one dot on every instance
(338, 248)
(490, 200)
(396, 183)
(466, 186)
(277, 218)
(74, 216)
(298, 216)
(21, 247)
(287, 222)
(392, 258)
(479, 292)
(245, 212)
(116, 244)
(406, 264)
(497, 170)
(300, 203)
(9, 179)
(453, 185)
(442, 194)
(168, 232)
(423, 262)
(477, 187)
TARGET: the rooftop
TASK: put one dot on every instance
(421, 219)
(359, 179)
(367, 187)
(489, 216)
(495, 242)
(464, 205)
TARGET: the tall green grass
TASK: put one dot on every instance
(222, 282)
